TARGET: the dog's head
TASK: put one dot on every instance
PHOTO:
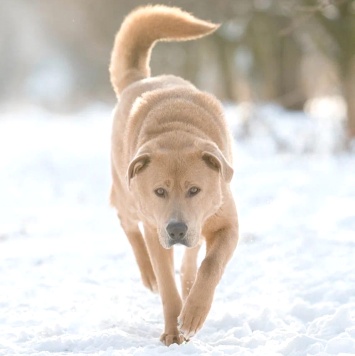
(177, 191)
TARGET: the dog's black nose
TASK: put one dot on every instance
(176, 230)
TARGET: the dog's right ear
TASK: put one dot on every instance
(138, 163)
(214, 158)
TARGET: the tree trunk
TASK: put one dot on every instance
(349, 95)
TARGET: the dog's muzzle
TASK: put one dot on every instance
(177, 232)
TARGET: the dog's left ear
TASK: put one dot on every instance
(138, 163)
(215, 159)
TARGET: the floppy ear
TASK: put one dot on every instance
(214, 159)
(139, 162)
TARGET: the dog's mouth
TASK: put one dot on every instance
(168, 244)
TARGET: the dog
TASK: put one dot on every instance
(171, 168)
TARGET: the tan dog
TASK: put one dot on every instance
(171, 156)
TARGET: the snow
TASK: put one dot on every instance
(68, 280)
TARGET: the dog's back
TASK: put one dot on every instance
(138, 92)
(139, 32)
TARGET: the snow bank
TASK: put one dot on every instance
(68, 280)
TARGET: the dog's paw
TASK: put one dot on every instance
(175, 338)
(149, 280)
(192, 317)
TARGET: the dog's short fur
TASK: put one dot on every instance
(171, 169)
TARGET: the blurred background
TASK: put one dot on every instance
(296, 54)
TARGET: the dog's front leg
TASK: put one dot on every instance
(189, 270)
(220, 246)
(163, 265)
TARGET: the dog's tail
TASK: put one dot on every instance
(138, 34)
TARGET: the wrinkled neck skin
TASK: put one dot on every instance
(176, 115)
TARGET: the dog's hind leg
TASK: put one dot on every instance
(139, 247)
(189, 270)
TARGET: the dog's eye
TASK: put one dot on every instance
(193, 191)
(160, 192)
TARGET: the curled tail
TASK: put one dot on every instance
(138, 34)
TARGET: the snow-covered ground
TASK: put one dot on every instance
(68, 281)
